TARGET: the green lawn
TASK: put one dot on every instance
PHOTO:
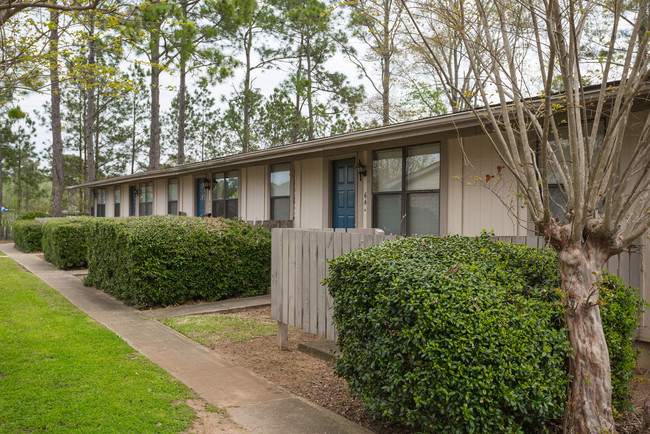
(219, 328)
(61, 371)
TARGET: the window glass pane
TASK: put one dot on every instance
(172, 207)
(172, 187)
(117, 210)
(149, 192)
(232, 186)
(387, 170)
(423, 167)
(218, 186)
(564, 149)
(422, 213)
(231, 212)
(557, 202)
(280, 180)
(118, 192)
(101, 196)
(218, 208)
(280, 208)
(142, 196)
(388, 208)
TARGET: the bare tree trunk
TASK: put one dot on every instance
(310, 103)
(154, 134)
(181, 116)
(296, 119)
(90, 110)
(133, 133)
(591, 388)
(55, 98)
(246, 140)
(385, 70)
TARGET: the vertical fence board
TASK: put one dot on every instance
(291, 302)
(331, 253)
(322, 297)
(624, 267)
(276, 274)
(306, 279)
(285, 278)
(313, 283)
(298, 281)
(300, 258)
(355, 241)
(612, 265)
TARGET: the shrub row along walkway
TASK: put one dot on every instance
(251, 401)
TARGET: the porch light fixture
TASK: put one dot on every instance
(206, 183)
(361, 170)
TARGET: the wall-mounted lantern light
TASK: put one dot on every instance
(361, 170)
(206, 183)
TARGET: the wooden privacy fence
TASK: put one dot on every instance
(626, 265)
(299, 264)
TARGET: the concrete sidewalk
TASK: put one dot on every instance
(251, 401)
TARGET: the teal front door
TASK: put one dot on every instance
(344, 194)
(200, 198)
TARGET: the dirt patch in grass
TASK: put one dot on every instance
(211, 419)
(298, 372)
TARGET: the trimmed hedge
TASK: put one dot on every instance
(167, 260)
(33, 215)
(64, 243)
(27, 235)
(461, 334)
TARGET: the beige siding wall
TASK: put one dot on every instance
(186, 195)
(254, 193)
(160, 197)
(310, 194)
(474, 204)
(110, 201)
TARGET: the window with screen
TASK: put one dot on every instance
(406, 189)
(172, 196)
(225, 194)
(101, 202)
(117, 197)
(281, 192)
(146, 198)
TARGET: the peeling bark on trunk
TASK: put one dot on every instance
(591, 388)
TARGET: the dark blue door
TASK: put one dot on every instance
(344, 194)
(132, 200)
(200, 198)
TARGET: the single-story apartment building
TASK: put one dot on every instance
(421, 177)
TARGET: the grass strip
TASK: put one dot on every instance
(206, 329)
(62, 371)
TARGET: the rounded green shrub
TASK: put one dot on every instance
(167, 260)
(64, 243)
(28, 235)
(456, 334)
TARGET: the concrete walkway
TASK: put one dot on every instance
(251, 401)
